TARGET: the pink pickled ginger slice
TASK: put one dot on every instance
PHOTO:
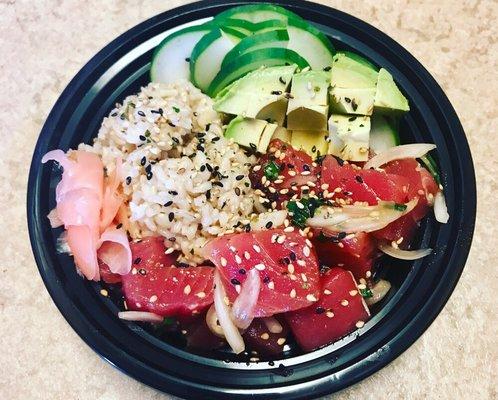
(83, 245)
(115, 250)
(112, 199)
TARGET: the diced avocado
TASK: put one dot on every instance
(349, 137)
(245, 131)
(353, 83)
(349, 72)
(352, 101)
(266, 137)
(283, 134)
(259, 94)
(388, 98)
(308, 106)
(312, 142)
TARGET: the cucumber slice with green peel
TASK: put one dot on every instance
(276, 38)
(269, 25)
(170, 62)
(310, 43)
(257, 13)
(251, 61)
(208, 54)
(360, 59)
(382, 134)
(243, 26)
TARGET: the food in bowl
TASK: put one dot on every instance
(246, 195)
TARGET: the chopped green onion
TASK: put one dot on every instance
(301, 214)
(431, 166)
(366, 293)
(176, 109)
(271, 170)
(400, 207)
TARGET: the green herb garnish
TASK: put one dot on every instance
(271, 170)
(176, 109)
(431, 165)
(400, 207)
(366, 293)
(301, 214)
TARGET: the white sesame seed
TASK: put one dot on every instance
(278, 181)
(278, 153)
(263, 180)
(305, 173)
(310, 184)
(400, 240)
(134, 271)
(310, 297)
(237, 288)
(256, 248)
(282, 156)
(281, 239)
(289, 229)
(291, 173)
(187, 289)
(201, 295)
(362, 286)
(360, 324)
(329, 314)
(238, 260)
(309, 243)
(324, 186)
(306, 251)
(305, 187)
(300, 205)
(104, 292)
(368, 274)
(286, 222)
(226, 300)
(302, 263)
(260, 267)
(223, 261)
(233, 249)
(153, 299)
(293, 277)
(256, 168)
(292, 293)
(265, 336)
(281, 341)
(326, 291)
(290, 268)
(304, 277)
(169, 250)
(271, 285)
(338, 190)
(284, 191)
(247, 256)
(344, 302)
(353, 292)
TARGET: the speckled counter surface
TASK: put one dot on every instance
(44, 43)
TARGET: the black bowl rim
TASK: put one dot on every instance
(323, 384)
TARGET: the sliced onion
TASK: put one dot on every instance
(276, 218)
(61, 245)
(213, 323)
(245, 303)
(354, 218)
(415, 150)
(141, 316)
(232, 334)
(404, 254)
(379, 291)
(273, 325)
(440, 209)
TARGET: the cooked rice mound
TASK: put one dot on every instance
(182, 179)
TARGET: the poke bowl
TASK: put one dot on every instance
(251, 199)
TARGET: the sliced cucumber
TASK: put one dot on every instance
(382, 135)
(243, 26)
(359, 59)
(276, 38)
(251, 61)
(257, 13)
(208, 54)
(269, 25)
(310, 43)
(170, 61)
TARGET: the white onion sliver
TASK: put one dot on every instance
(354, 218)
(415, 150)
(276, 218)
(273, 325)
(440, 209)
(140, 316)
(232, 334)
(404, 254)
(379, 291)
(212, 322)
(244, 304)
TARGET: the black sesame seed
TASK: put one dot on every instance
(340, 161)
(202, 140)
(306, 167)
(172, 239)
(216, 183)
(200, 147)
(142, 138)
(142, 271)
(242, 271)
(128, 180)
(114, 114)
(266, 279)
(137, 260)
(176, 140)
(239, 177)
(171, 124)
(293, 256)
(203, 168)
(147, 168)
(141, 113)
(235, 281)
(237, 191)
(269, 224)
(313, 149)
(248, 228)
(168, 203)
(171, 216)
(320, 310)
(208, 194)
(209, 168)
(119, 226)
(276, 92)
(351, 118)
(187, 59)
(348, 100)
(215, 139)
(286, 260)
(149, 176)
(341, 235)
(328, 68)
(173, 192)
(359, 179)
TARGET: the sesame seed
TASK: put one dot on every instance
(291, 173)
(256, 168)
(353, 292)
(281, 341)
(300, 205)
(306, 251)
(237, 288)
(304, 277)
(284, 191)
(263, 179)
(292, 293)
(360, 324)
(235, 281)
(326, 291)
(324, 186)
(187, 289)
(268, 225)
(272, 189)
(368, 274)
(265, 336)
(290, 268)
(305, 173)
(226, 300)
(223, 261)
(302, 263)
(278, 153)
(362, 286)
(344, 302)
(153, 299)
(247, 256)
(201, 295)
(169, 250)
(278, 181)
(289, 229)
(238, 260)
(104, 292)
(271, 285)
(133, 271)
(310, 297)
(281, 239)
(309, 243)
(256, 248)
(329, 314)
(260, 267)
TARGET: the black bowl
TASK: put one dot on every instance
(421, 288)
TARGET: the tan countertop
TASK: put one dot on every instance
(44, 43)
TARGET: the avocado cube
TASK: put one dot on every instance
(349, 137)
(352, 101)
(388, 98)
(282, 133)
(312, 142)
(304, 117)
(246, 132)
(265, 139)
